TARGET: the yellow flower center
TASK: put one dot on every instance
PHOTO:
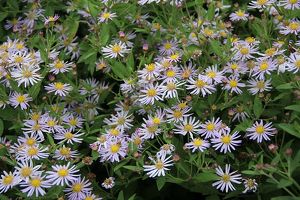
(244, 51)
(89, 198)
(234, 66)
(159, 165)
(240, 13)
(208, 32)
(121, 121)
(21, 99)
(26, 171)
(106, 15)
(73, 122)
(59, 64)
(211, 74)
(36, 127)
(226, 178)
(8, 180)
(270, 51)
(51, 123)
(63, 172)
(188, 127)
(30, 141)
(27, 73)
(182, 105)
(152, 129)
(262, 2)
(226, 139)
(150, 67)
(59, 86)
(297, 64)
(114, 148)
(32, 151)
(156, 120)
(171, 86)
(18, 59)
(250, 40)
(177, 114)
(69, 135)
(114, 132)
(293, 1)
(198, 142)
(294, 26)
(263, 66)
(64, 151)
(200, 83)
(116, 49)
(170, 73)
(260, 129)
(174, 56)
(260, 84)
(233, 83)
(19, 46)
(77, 187)
(137, 141)
(168, 46)
(151, 92)
(210, 126)
(186, 74)
(35, 183)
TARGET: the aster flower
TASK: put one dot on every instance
(35, 185)
(211, 128)
(115, 50)
(226, 142)
(200, 85)
(150, 94)
(105, 16)
(292, 27)
(51, 19)
(69, 136)
(159, 167)
(114, 150)
(62, 174)
(65, 153)
(27, 75)
(17, 99)
(197, 144)
(260, 131)
(239, 15)
(260, 4)
(256, 86)
(226, 179)
(8, 181)
(25, 169)
(290, 4)
(60, 89)
(168, 47)
(108, 183)
(212, 75)
(244, 52)
(264, 67)
(59, 66)
(293, 63)
(250, 185)
(78, 188)
(189, 125)
(34, 152)
(233, 84)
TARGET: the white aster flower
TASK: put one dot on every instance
(115, 50)
(260, 131)
(226, 179)
(62, 174)
(35, 185)
(8, 180)
(78, 188)
(226, 142)
(197, 144)
(17, 99)
(108, 183)
(60, 89)
(160, 165)
(27, 75)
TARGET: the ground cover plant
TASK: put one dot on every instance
(149, 99)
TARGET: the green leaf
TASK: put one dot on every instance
(133, 168)
(160, 182)
(285, 198)
(211, 11)
(50, 139)
(104, 34)
(289, 129)
(3, 15)
(284, 183)
(285, 86)
(257, 107)
(121, 195)
(132, 197)
(216, 47)
(293, 107)
(1, 127)
(34, 90)
(206, 177)
(120, 70)
(250, 172)
(8, 114)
